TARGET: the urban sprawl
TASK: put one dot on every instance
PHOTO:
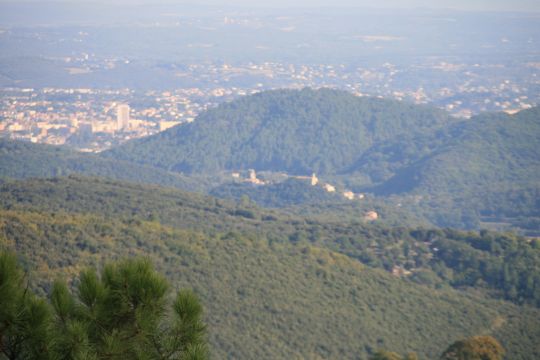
(95, 119)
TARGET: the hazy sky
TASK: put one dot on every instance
(520, 5)
(483, 5)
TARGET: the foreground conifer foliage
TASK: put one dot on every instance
(122, 314)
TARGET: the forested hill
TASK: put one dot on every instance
(489, 150)
(484, 171)
(481, 172)
(21, 160)
(300, 132)
(282, 286)
(504, 264)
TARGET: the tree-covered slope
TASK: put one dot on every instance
(300, 132)
(20, 160)
(272, 300)
(285, 193)
(484, 171)
(481, 171)
(500, 265)
(487, 150)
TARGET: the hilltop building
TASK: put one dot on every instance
(314, 180)
(253, 178)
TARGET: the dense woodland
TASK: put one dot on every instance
(505, 264)
(467, 172)
(20, 160)
(299, 132)
(267, 272)
(122, 313)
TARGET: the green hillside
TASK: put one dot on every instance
(300, 132)
(485, 169)
(286, 193)
(500, 265)
(273, 300)
(21, 160)
(482, 172)
(495, 149)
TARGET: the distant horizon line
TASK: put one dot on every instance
(274, 6)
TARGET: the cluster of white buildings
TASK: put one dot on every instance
(53, 116)
(313, 180)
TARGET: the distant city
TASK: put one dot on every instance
(91, 79)
(93, 120)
